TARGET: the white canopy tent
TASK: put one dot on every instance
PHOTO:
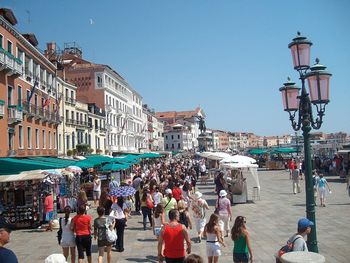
(242, 162)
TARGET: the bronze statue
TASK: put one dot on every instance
(202, 126)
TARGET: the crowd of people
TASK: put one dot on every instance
(166, 196)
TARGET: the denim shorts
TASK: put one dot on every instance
(241, 257)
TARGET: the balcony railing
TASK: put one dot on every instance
(70, 100)
(8, 62)
(11, 153)
(15, 114)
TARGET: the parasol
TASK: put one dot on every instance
(123, 191)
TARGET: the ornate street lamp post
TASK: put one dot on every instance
(318, 82)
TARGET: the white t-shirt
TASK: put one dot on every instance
(117, 211)
(97, 185)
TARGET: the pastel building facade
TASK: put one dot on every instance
(29, 112)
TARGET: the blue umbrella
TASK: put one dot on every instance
(123, 191)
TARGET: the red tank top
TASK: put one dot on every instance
(174, 242)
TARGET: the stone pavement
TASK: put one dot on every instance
(271, 221)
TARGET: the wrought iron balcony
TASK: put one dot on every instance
(15, 114)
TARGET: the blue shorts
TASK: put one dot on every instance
(49, 216)
(241, 257)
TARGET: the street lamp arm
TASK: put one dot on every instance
(295, 125)
(316, 124)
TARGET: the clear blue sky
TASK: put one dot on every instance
(228, 56)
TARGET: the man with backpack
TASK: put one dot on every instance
(297, 242)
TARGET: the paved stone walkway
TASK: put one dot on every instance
(270, 221)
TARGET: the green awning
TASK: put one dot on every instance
(61, 163)
(284, 150)
(17, 165)
(257, 151)
(150, 155)
(114, 167)
(2, 102)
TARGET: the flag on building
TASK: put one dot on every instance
(47, 102)
(36, 82)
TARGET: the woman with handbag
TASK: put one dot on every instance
(147, 206)
(119, 210)
(101, 235)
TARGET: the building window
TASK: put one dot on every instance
(19, 95)
(20, 137)
(166, 146)
(60, 142)
(37, 138)
(166, 137)
(172, 137)
(172, 146)
(1, 41)
(29, 137)
(178, 136)
(54, 140)
(9, 95)
(10, 139)
(44, 139)
(178, 146)
(73, 140)
(9, 46)
(50, 140)
(68, 142)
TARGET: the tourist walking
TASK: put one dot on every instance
(297, 240)
(158, 220)
(68, 238)
(157, 196)
(185, 218)
(146, 207)
(225, 213)
(213, 234)
(97, 190)
(81, 225)
(136, 183)
(100, 233)
(295, 180)
(322, 183)
(48, 209)
(242, 250)
(169, 201)
(198, 206)
(119, 210)
(173, 236)
(82, 199)
(219, 183)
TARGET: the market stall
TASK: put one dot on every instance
(20, 198)
(236, 168)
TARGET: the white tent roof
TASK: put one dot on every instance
(240, 161)
(214, 155)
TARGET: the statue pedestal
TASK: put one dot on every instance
(204, 142)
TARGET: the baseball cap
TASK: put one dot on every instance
(168, 191)
(304, 223)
